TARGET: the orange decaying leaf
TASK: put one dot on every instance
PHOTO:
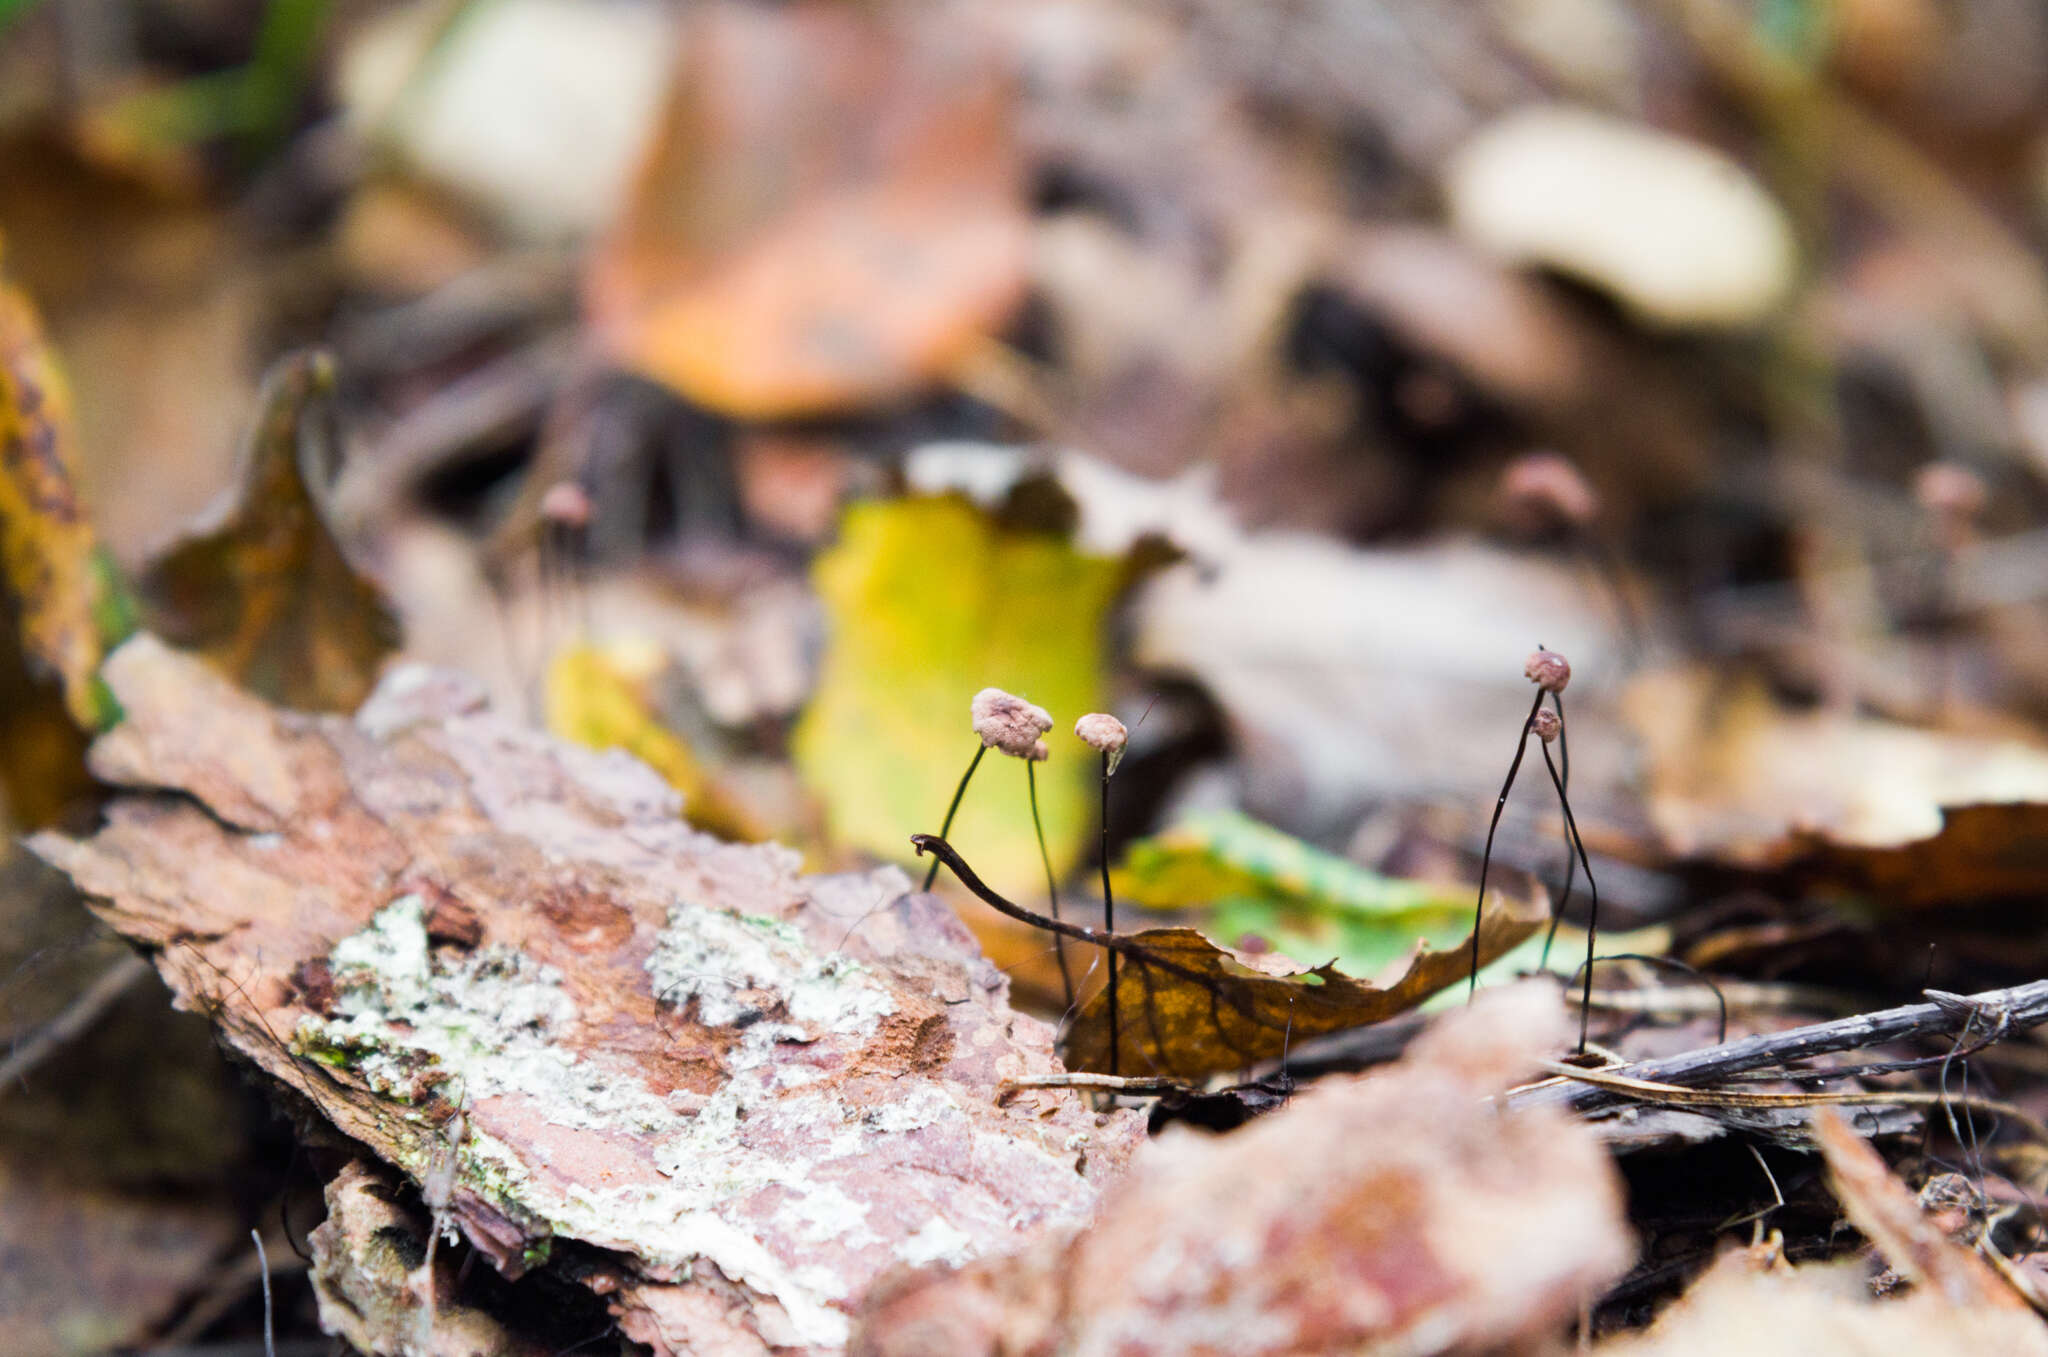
(833, 214)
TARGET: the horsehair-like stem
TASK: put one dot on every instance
(1052, 886)
(1486, 858)
(946, 826)
(1571, 863)
(1108, 913)
(1592, 889)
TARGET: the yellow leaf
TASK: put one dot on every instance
(46, 542)
(599, 697)
(930, 600)
(262, 589)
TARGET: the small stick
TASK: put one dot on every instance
(946, 826)
(1052, 885)
(2017, 1008)
(78, 1016)
(1138, 1086)
(1675, 1095)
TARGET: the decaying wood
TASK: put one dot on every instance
(743, 1093)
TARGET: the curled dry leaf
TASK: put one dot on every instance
(53, 569)
(261, 587)
(780, 256)
(1916, 817)
(1395, 1213)
(1190, 1008)
(750, 1090)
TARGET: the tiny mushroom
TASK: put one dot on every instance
(1548, 670)
(566, 504)
(1547, 724)
(1008, 723)
(1102, 732)
(1543, 489)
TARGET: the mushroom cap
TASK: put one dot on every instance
(1007, 722)
(1100, 730)
(1548, 670)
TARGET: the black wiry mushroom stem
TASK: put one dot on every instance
(1592, 888)
(1108, 912)
(946, 826)
(1486, 858)
(1052, 885)
(1571, 863)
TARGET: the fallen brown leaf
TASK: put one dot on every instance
(1917, 817)
(781, 256)
(754, 1090)
(1395, 1213)
(1190, 1008)
(262, 588)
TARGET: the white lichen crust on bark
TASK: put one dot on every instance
(754, 1092)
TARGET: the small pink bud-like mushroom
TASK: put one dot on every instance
(1954, 496)
(1102, 732)
(1547, 725)
(1548, 670)
(1007, 722)
(566, 504)
(1950, 489)
(1544, 489)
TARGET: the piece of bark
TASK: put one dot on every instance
(367, 1260)
(758, 1090)
(1398, 1212)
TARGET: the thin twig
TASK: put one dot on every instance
(1136, 1086)
(79, 1015)
(946, 825)
(1644, 1090)
(2021, 1007)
